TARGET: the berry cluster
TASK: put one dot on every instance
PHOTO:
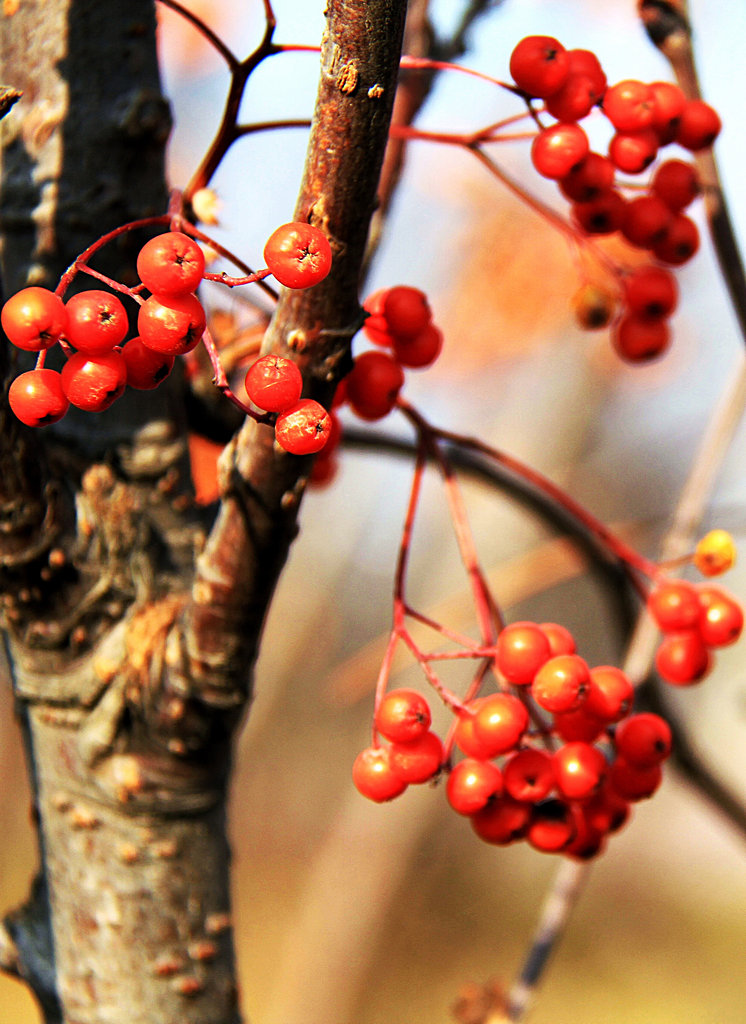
(557, 755)
(645, 118)
(274, 384)
(92, 325)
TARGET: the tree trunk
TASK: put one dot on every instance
(131, 659)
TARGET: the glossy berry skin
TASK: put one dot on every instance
(298, 255)
(34, 319)
(37, 399)
(472, 785)
(645, 220)
(528, 775)
(373, 385)
(146, 369)
(674, 604)
(551, 827)
(561, 683)
(304, 428)
(633, 152)
(676, 183)
(375, 326)
(94, 382)
(561, 640)
(715, 553)
(643, 740)
(418, 760)
(679, 242)
(721, 619)
(466, 738)
(171, 325)
(610, 694)
(601, 216)
(629, 105)
(579, 769)
(96, 321)
(682, 657)
(274, 383)
(499, 723)
(578, 725)
(651, 291)
(521, 650)
(502, 821)
(374, 777)
(403, 715)
(668, 104)
(406, 311)
(589, 179)
(698, 126)
(171, 264)
(633, 784)
(556, 150)
(421, 350)
(539, 65)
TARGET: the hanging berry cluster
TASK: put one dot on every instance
(644, 118)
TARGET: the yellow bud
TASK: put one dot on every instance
(206, 205)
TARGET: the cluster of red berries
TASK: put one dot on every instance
(557, 755)
(399, 321)
(645, 117)
(92, 325)
(274, 384)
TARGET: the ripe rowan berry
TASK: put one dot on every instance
(633, 151)
(304, 428)
(721, 619)
(639, 339)
(680, 241)
(502, 821)
(172, 263)
(579, 769)
(418, 760)
(373, 385)
(528, 775)
(668, 103)
(682, 658)
(633, 784)
(298, 255)
(674, 604)
(574, 100)
(551, 827)
(539, 65)
(643, 740)
(629, 105)
(421, 350)
(603, 215)
(499, 722)
(94, 382)
(578, 725)
(96, 321)
(556, 150)
(589, 179)
(610, 694)
(561, 640)
(698, 126)
(375, 326)
(645, 221)
(37, 399)
(676, 182)
(34, 319)
(561, 684)
(406, 311)
(146, 369)
(651, 292)
(173, 325)
(374, 777)
(472, 785)
(403, 715)
(466, 738)
(274, 383)
(520, 651)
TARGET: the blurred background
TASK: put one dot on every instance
(352, 913)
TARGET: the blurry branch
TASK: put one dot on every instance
(667, 24)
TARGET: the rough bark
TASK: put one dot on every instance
(130, 659)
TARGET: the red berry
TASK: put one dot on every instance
(561, 683)
(574, 100)
(34, 319)
(682, 658)
(551, 827)
(93, 382)
(632, 152)
(698, 127)
(406, 311)
(680, 241)
(629, 105)
(561, 640)
(721, 617)
(419, 760)
(674, 604)
(421, 350)
(639, 339)
(274, 383)
(528, 775)
(304, 428)
(374, 384)
(500, 722)
(676, 182)
(586, 63)
(539, 65)
(374, 325)
(632, 783)
(171, 264)
(651, 292)
(610, 694)
(645, 221)
(668, 103)
(146, 369)
(472, 785)
(556, 150)
(603, 215)
(579, 769)
(502, 821)
(298, 255)
(36, 397)
(578, 725)
(521, 650)
(643, 740)
(96, 321)
(589, 179)
(172, 325)
(374, 777)
(466, 738)
(403, 715)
